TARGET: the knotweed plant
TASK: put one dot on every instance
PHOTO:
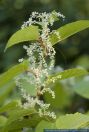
(35, 77)
(41, 57)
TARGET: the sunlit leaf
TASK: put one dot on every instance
(62, 96)
(17, 118)
(10, 106)
(72, 121)
(26, 34)
(3, 120)
(75, 72)
(68, 30)
(45, 125)
(12, 72)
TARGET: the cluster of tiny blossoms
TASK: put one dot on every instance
(41, 61)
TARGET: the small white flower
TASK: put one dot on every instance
(59, 76)
(20, 60)
(57, 34)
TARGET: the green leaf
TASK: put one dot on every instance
(23, 123)
(13, 72)
(19, 113)
(72, 121)
(6, 90)
(28, 87)
(68, 30)
(20, 117)
(62, 96)
(3, 120)
(10, 106)
(26, 34)
(75, 72)
(82, 88)
(45, 125)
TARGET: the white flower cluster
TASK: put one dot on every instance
(57, 34)
(42, 19)
(53, 79)
(41, 61)
(46, 113)
(20, 60)
(48, 90)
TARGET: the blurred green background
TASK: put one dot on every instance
(72, 52)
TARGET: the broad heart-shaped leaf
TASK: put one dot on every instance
(68, 30)
(45, 125)
(75, 72)
(72, 121)
(82, 88)
(26, 34)
(12, 72)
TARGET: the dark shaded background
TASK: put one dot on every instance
(70, 53)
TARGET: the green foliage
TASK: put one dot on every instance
(68, 30)
(62, 96)
(45, 125)
(10, 106)
(32, 33)
(69, 121)
(6, 90)
(72, 121)
(75, 72)
(2, 121)
(12, 72)
(27, 34)
(82, 88)
(29, 88)
(17, 115)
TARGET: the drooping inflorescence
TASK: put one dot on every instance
(41, 61)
